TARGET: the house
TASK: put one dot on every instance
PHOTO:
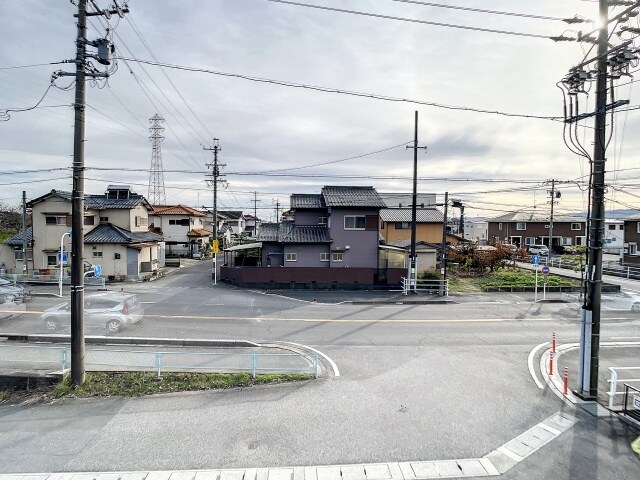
(11, 256)
(395, 224)
(333, 239)
(614, 236)
(252, 225)
(182, 228)
(532, 228)
(631, 240)
(116, 233)
(476, 230)
(234, 219)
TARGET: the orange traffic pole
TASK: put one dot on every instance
(566, 380)
(551, 355)
(553, 342)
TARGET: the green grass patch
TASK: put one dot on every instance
(463, 282)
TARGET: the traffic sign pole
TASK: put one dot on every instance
(536, 261)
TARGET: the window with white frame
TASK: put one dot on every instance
(499, 225)
(633, 249)
(402, 225)
(529, 240)
(58, 220)
(354, 222)
(521, 226)
(292, 257)
(324, 257)
(576, 226)
(566, 240)
(611, 227)
(336, 257)
(97, 254)
(52, 260)
(638, 227)
(322, 220)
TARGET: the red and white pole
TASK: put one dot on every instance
(566, 380)
(553, 342)
(551, 355)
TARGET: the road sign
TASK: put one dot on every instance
(535, 259)
(215, 246)
(545, 270)
(65, 258)
(97, 270)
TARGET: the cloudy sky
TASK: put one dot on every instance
(273, 137)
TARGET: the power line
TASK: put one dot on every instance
(285, 83)
(411, 20)
(482, 10)
(32, 65)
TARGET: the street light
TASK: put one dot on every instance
(61, 262)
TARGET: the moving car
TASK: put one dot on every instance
(538, 250)
(10, 307)
(19, 293)
(110, 311)
(610, 301)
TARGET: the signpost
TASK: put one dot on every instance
(535, 260)
(545, 272)
(63, 259)
(215, 248)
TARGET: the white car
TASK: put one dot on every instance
(610, 301)
(539, 250)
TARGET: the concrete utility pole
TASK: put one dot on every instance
(553, 198)
(215, 178)
(25, 266)
(277, 211)
(255, 213)
(590, 326)
(412, 273)
(443, 260)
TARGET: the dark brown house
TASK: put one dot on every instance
(532, 228)
(631, 240)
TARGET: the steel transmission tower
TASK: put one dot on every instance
(156, 195)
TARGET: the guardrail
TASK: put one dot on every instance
(442, 286)
(608, 268)
(614, 379)
(52, 279)
(148, 360)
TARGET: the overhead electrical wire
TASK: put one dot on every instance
(410, 20)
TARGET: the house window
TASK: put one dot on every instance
(336, 257)
(402, 225)
(292, 257)
(576, 226)
(143, 221)
(638, 227)
(521, 226)
(633, 249)
(566, 240)
(322, 220)
(612, 227)
(58, 220)
(620, 227)
(354, 222)
(97, 254)
(324, 257)
(89, 220)
(52, 260)
(104, 219)
(529, 240)
(184, 222)
(499, 225)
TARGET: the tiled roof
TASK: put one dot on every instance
(109, 233)
(407, 244)
(230, 214)
(338, 196)
(97, 202)
(197, 232)
(535, 217)
(423, 215)
(177, 210)
(286, 232)
(301, 200)
(16, 240)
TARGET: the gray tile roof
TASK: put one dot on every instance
(109, 233)
(338, 196)
(423, 215)
(287, 232)
(535, 216)
(229, 214)
(301, 200)
(98, 202)
(16, 240)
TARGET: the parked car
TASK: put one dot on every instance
(110, 311)
(539, 250)
(10, 306)
(19, 293)
(610, 301)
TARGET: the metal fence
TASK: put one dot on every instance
(631, 402)
(52, 279)
(608, 268)
(431, 286)
(628, 374)
(59, 358)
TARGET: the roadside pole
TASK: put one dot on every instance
(545, 272)
(535, 260)
(62, 262)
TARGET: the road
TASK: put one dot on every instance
(416, 382)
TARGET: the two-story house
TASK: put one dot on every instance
(116, 233)
(182, 228)
(532, 228)
(631, 240)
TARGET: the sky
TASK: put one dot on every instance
(274, 136)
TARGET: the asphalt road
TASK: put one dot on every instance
(417, 382)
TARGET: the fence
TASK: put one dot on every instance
(631, 409)
(614, 379)
(431, 286)
(43, 357)
(608, 268)
(52, 279)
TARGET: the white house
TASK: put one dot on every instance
(182, 228)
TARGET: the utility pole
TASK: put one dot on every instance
(25, 267)
(590, 325)
(443, 260)
(83, 70)
(277, 211)
(553, 198)
(215, 175)
(255, 213)
(412, 273)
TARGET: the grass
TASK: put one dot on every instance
(465, 283)
(135, 384)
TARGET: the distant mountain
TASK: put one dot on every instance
(613, 214)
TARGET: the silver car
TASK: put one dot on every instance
(108, 310)
(10, 306)
(610, 301)
(19, 293)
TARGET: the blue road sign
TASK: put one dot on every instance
(64, 259)
(97, 270)
(545, 270)
(535, 259)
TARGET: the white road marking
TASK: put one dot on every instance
(336, 372)
(530, 362)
